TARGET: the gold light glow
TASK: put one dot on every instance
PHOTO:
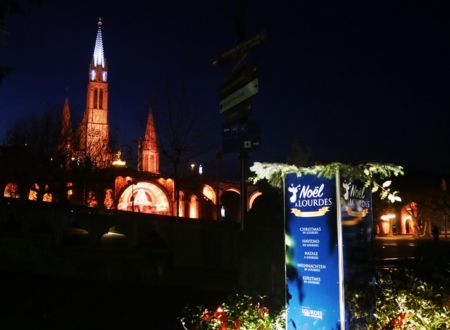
(109, 201)
(387, 216)
(11, 190)
(118, 162)
(209, 192)
(252, 198)
(193, 207)
(32, 194)
(145, 197)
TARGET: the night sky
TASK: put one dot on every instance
(352, 81)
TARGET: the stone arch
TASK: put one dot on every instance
(144, 197)
(252, 199)
(209, 193)
(408, 215)
(230, 201)
(193, 207)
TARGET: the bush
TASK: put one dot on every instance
(240, 312)
(404, 301)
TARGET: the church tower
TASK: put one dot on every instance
(148, 148)
(65, 139)
(94, 133)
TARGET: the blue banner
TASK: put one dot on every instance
(314, 273)
(358, 236)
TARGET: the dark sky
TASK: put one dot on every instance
(352, 80)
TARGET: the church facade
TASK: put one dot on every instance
(109, 183)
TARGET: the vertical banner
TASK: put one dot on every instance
(314, 264)
(358, 235)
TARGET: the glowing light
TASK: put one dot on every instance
(109, 200)
(99, 58)
(222, 211)
(92, 74)
(92, 200)
(32, 194)
(209, 192)
(148, 197)
(69, 185)
(48, 198)
(200, 169)
(105, 75)
(388, 216)
(193, 207)
(118, 162)
(11, 190)
(192, 166)
(252, 198)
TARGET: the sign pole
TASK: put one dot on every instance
(243, 198)
(340, 244)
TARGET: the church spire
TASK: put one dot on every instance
(94, 129)
(66, 126)
(99, 57)
(65, 147)
(148, 147)
(150, 131)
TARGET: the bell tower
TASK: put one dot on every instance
(94, 137)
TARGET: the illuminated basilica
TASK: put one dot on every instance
(110, 184)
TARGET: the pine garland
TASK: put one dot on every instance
(368, 173)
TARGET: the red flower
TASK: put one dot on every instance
(236, 324)
(206, 315)
(262, 311)
(220, 314)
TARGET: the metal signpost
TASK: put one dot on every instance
(240, 135)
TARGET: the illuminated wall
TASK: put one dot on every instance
(145, 197)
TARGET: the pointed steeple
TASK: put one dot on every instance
(66, 125)
(148, 147)
(99, 57)
(150, 131)
(65, 139)
(94, 128)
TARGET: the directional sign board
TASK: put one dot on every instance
(239, 96)
(239, 49)
(238, 80)
(240, 136)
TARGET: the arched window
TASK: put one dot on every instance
(11, 190)
(144, 197)
(209, 192)
(101, 99)
(95, 98)
(193, 207)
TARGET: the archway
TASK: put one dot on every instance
(252, 199)
(144, 197)
(230, 201)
